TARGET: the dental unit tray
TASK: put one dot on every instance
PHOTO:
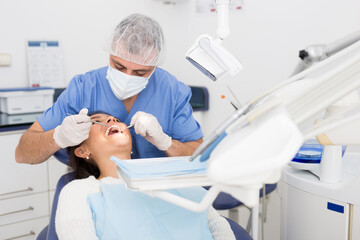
(162, 173)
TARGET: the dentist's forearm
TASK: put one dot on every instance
(182, 149)
(35, 147)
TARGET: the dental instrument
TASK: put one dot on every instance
(102, 124)
(130, 126)
(92, 121)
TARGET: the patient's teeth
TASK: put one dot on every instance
(110, 128)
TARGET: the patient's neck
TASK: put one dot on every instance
(107, 167)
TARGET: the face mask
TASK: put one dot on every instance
(125, 86)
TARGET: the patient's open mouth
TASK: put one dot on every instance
(112, 130)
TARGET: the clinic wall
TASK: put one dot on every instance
(266, 36)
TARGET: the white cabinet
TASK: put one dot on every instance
(25, 191)
(309, 216)
(19, 179)
(312, 209)
(24, 208)
(356, 222)
(27, 230)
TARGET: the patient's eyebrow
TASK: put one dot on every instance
(98, 117)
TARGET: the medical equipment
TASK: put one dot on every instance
(313, 209)
(95, 122)
(102, 124)
(212, 59)
(208, 55)
(328, 189)
(130, 126)
(302, 84)
(271, 122)
(315, 53)
(330, 168)
(25, 100)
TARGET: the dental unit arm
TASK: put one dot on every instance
(316, 53)
(330, 167)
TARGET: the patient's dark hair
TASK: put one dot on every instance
(81, 167)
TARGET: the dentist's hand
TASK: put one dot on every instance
(73, 130)
(148, 126)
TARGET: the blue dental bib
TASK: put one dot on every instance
(123, 214)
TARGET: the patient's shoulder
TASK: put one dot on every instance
(81, 187)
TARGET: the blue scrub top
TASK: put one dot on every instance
(164, 97)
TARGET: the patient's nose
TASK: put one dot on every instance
(110, 120)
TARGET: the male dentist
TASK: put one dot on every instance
(133, 89)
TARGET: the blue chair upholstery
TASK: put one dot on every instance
(225, 201)
(62, 155)
(239, 232)
(42, 235)
(50, 229)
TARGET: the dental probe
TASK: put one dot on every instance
(126, 128)
(102, 124)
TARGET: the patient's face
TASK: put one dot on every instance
(108, 140)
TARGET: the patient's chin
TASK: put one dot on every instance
(120, 140)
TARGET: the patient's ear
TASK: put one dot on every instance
(81, 152)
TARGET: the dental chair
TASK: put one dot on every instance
(225, 201)
(49, 233)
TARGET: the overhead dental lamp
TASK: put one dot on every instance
(208, 55)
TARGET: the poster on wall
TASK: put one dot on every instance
(45, 65)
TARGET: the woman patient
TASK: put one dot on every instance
(97, 206)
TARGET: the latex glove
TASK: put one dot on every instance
(73, 130)
(148, 126)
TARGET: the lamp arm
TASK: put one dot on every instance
(222, 8)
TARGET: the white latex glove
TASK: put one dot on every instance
(73, 130)
(148, 126)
